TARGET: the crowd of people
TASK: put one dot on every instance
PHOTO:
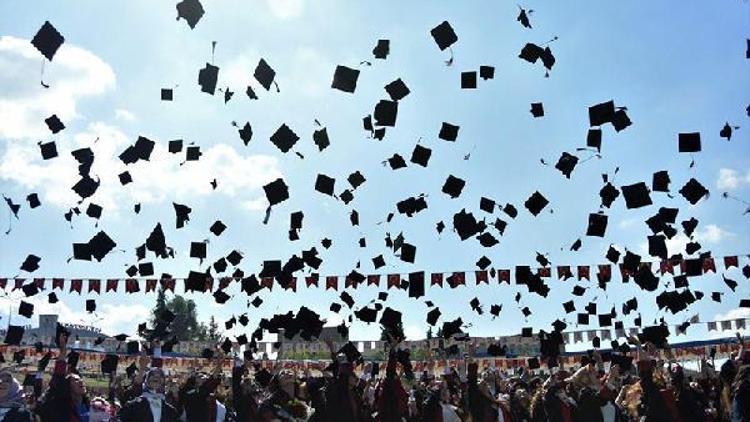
(647, 386)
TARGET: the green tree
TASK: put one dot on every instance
(429, 333)
(213, 333)
(396, 332)
(160, 307)
(185, 325)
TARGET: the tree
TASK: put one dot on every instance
(213, 330)
(397, 332)
(185, 325)
(429, 333)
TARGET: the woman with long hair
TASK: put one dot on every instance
(12, 401)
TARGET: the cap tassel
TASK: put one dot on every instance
(41, 76)
(449, 62)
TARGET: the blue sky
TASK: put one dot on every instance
(677, 66)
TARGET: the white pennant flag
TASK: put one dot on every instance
(739, 324)
(726, 325)
(712, 326)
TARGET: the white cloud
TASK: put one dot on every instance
(710, 234)
(311, 72)
(124, 115)
(713, 234)
(735, 313)
(414, 332)
(74, 74)
(627, 223)
(730, 179)
(159, 179)
(285, 9)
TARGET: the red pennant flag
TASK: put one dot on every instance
(482, 277)
(683, 266)
(605, 273)
(112, 284)
(131, 285)
(292, 284)
(267, 282)
(311, 281)
(666, 267)
(457, 279)
(503, 276)
(224, 282)
(95, 285)
(436, 279)
(709, 265)
(57, 283)
(584, 272)
(731, 261)
(209, 284)
(39, 283)
(625, 273)
(332, 282)
(3, 283)
(563, 272)
(349, 282)
(394, 280)
(18, 283)
(76, 285)
(544, 272)
(150, 285)
(373, 280)
(168, 284)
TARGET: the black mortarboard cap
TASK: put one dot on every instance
(133, 347)
(345, 79)
(175, 146)
(325, 184)
(26, 309)
(191, 11)
(33, 200)
(597, 225)
(264, 74)
(166, 94)
(397, 89)
(469, 80)
(433, 316)
(421, 155)
(31, 263)
(636, 195)
(47, 40)
(569, 306)
(385, 113)
(390, 318)
(198, 250)
(594, 139)
(193, 153)
(257, 302)
(366, 314)
(689, 142)
(90, 305)
(382, 49)
(583, 319)
(486, 72)
(448, 132)
(284, 138)
(537, 109)
(13, 335)
(566, 164)
(693, 191)
(54, 124)
(30, 289)
(536, 203)
(320, 138)
(396, 162)
(125, 178)
(276, 191)
(408, 252)
(613, 255)
(52, 298)
(416, 284)
(207, 78)
(49, 150)
(217, 228)
(602, 113)
(444, 35)
(109, 363)
(453, 186)
(660, 181)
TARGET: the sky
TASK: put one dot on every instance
(677, 67)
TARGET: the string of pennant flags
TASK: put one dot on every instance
(604, 273)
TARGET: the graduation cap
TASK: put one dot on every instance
(597, 225)
(416, 284)
(31, 263)
(421, 155)
(109, 363)
(469, 80)
(54, 124)
(396, 162)
(613, 255)
(532, 52)
(26, 309)
(636, 195)
(94, 211)
(537, 109)
(30, 289)
(264, 74)
(166, 94)
(49, 150)
(453, 186)
(382, 49)
(693, 191)
(444, 35)
(33, 200)
(47, 40)
(13, 335)
(602, 113)
(689, 142)
(367, 315)
(276, 191)
(284, 138)
(191, 11)
(175, 146)
(566, 163)
(448, 132)
(689, 226)
(345, 79)
(246, 133)
(125, 178)
(433, 316)
(583, 319)
(397, 89)
(385, 113)
(486, 72)
(660, 181)
(320, 138)
(207, 78)
(569, 306)
(257, 302)
(536, 203)
(90, 305)
(608, 194)
(408, 252)
(325, 184)
(52, 298)
(217, 228)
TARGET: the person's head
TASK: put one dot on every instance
(7, 384)
(154, 380)
(285, 382)
(743, 376)
(200, 378)
(76, 386)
